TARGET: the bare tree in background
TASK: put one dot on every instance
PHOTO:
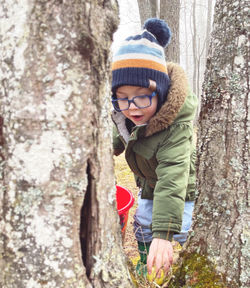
(217, 253)
(209, 25)
(195, 29)
(147, 9)
(186, 37)
(170, 12)
(57, 178)
(202, 14)
(194, 45)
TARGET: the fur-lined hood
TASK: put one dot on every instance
(170, 110)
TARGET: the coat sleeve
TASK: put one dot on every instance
(118, 146)
(173, 158)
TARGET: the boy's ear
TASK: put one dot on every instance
(152, 85)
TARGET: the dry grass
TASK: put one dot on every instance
(125, 178)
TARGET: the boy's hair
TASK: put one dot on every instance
(141, 58)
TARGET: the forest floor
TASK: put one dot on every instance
(125, 178)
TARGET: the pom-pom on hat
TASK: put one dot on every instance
(141, 58)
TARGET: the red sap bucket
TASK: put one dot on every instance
(125, 201)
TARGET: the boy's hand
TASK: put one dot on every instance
(160, 255)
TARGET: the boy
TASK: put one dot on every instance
(153, 116)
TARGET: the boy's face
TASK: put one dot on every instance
(138, 116)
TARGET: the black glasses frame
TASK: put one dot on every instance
(116, 105)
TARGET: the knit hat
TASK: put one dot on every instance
(141, 58)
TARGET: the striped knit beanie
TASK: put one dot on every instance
(141, 58)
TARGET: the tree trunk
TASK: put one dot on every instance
(194, 45)
(57, 171)
(209, 21)
(170, 12)
(186, 38)
(218, 249)
(147, 9)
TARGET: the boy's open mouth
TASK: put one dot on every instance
(136, 117)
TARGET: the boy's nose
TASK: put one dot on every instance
(132, 106)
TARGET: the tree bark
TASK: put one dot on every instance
(194, 45)
(57, 176)
(170, 12)
(218, 249)
(186, 37)
(147, 9)
(209, 21)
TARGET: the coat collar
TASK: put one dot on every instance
(168, 112)
(176, 97)
(119, 120)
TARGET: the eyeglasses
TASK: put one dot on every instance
(142, 101)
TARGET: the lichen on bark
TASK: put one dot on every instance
(57, 139)
(221, 214)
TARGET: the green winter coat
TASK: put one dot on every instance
(161, 154)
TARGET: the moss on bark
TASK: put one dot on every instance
(196, 271)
